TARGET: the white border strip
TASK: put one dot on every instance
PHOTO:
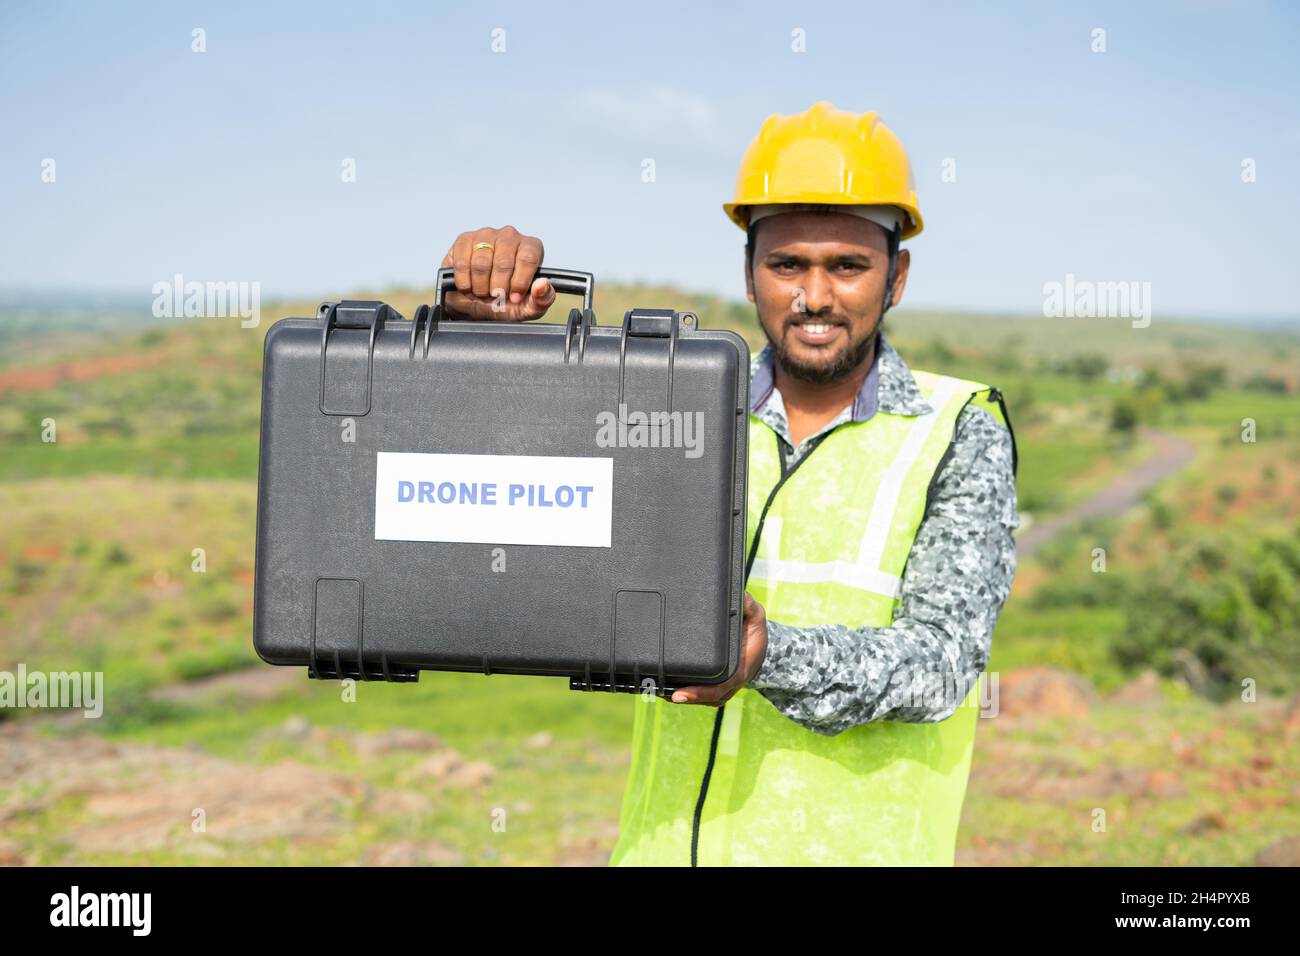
(838, 572)
(890, 492)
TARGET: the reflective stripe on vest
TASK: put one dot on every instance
(834, 545)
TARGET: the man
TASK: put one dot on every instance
(881, 510)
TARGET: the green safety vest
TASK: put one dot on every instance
(745, 785)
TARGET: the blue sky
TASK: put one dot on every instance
(226, 165)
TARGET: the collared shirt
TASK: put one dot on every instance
(830, 677)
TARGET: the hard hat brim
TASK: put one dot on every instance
(736, 211)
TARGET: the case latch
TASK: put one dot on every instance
(346, 391)
(358, 314)
(657, 324)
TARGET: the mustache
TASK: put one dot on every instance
(802, 317)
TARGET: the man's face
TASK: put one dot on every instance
(818, 283)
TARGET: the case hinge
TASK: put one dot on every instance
(620, 684)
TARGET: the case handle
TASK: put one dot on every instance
(564, 280)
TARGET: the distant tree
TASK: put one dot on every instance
(1202, 378)
(1150, 377)
(1087, 366)
(1263, 382)
(1150, 402)
(1123, 415)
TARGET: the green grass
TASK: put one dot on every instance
(1073, 639)
(229, 456)
(468, 711)
(1274, 415)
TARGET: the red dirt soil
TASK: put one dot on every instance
(36, 379)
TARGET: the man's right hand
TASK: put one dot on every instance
(494, 276)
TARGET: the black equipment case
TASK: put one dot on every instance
(502, 497)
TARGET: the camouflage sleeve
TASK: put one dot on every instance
(830, 677)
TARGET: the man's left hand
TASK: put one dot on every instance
(753, 648)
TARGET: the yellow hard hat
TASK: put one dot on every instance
(825, 155)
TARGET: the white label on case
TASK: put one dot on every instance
(494, 499)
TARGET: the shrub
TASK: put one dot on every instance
(1123, 415)
(1234, 605)
(1263, 382)
(1162, 515)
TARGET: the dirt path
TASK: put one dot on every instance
(1172, 454)
(251, 685)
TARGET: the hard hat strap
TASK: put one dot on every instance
(895, 238)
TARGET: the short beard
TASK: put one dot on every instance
(845, 364)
